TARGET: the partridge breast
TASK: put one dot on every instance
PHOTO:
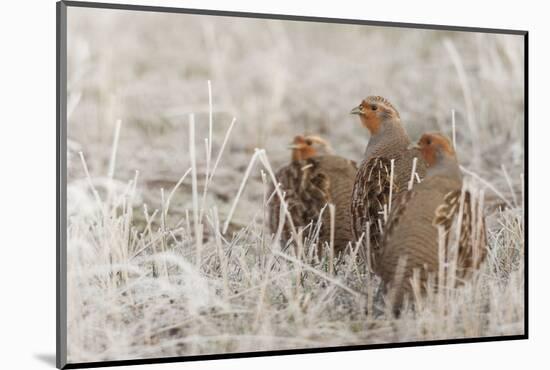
(411, 237)
(371, 193)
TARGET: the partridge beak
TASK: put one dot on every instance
(356, 110)
(413, 146)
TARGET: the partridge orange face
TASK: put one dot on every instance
(305, 147)
(433, 146)
(373, 111)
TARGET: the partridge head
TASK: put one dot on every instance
(438, 154)
(306, 147)
(376, 113)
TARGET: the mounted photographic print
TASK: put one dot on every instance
(237, 184)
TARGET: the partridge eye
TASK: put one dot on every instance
(429, 141)
(309, 142)
(373, 107)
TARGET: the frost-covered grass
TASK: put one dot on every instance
(168, 250)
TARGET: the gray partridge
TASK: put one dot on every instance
(412, 234)
(313, 179)
(371, 202)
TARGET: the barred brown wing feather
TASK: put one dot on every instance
(314, 196)
(472, 239)
(370, 193)
(306, 191)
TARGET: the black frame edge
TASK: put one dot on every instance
(61, 165)
(526, 182)
(61, 172)
(222, 356)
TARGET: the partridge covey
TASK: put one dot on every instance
(412, 235)
(314, 178)
(389, 141)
